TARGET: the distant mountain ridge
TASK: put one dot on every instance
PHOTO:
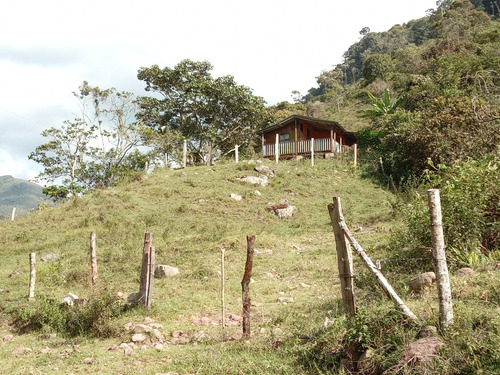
(22, 194)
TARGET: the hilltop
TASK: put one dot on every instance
(23, 195)
(297, 322)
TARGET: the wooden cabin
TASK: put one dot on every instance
(294, 135)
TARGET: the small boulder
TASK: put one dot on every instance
(427, 331)
(140, 328)
(134, 297)
(466, 271)
(163, 270)
(49, 257)
(236, 197)
(262, 181)
(420, 283)
(69, 299)
(265, 170)
(283, 211)
(138, 337)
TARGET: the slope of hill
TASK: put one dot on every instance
(297, 320)
(23, 195)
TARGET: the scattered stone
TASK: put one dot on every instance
(47, 336)
(128, 350)
(156, 325)
(163, 270)
(199, 336)
(69, 299)
(158, 335)
(119, 296)
(49, 257)
(88, 360)
(262, 181)
(15, 273)
(258, 193)
(265, 251)
(422, 350)
(236, 197)
(304, 285)
(285, 300)
(7, 338)
(141, 328)
(134, 297)
(183, 174)
(420, 283)
(201, 200)
(466, 271)
(329, 155)
(283, 211)
(21, 350)
(45, 350)
(138, 337)
(265, 170)
(112, 348)
(427, 331)
(238, 335)
(235, 317)
(159, 347)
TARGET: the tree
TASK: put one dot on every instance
(381, 107)
(65, 156)
(377, 66)
(112, 115)
(214, 114)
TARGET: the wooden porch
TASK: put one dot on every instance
(303, 148)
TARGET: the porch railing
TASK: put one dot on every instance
(301, 147)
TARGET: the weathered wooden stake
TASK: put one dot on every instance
(13, 215)
(93, 257)
(151, 276)
(244, 285)
(236, 155)
(277, 149)
(355, 155)
(439, 259)
(184, 154)
(344, 258)
(312, 152)
(31, 293)
(222, 289)
(145, 270)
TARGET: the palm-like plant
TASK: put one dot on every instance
(381, 107)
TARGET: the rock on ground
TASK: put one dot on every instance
(421, 282)
(163, 270)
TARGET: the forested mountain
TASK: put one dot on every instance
(23, 195)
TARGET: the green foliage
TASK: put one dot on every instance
(214, 114)
(470, 200)
(92, 318)
(381, 107)
(377, 66)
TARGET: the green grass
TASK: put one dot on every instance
(192, 216)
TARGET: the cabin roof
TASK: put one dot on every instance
(318, 123)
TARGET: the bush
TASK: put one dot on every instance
(470, 203)
(93, 318)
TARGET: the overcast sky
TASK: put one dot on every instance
(48, 48)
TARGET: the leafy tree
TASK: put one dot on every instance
(213, 113)
(283, 110)
(65, 156)
(377, 66)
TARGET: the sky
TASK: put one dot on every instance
(48, 48)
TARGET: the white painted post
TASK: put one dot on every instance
(439, 260)
(312, 152)
(13, 216)
(222, 292)
(236, 156)
(277, 148)
(31, 294)
(184, 154)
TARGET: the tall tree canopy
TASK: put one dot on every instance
(214, 114)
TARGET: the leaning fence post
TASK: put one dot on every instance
(244, 285)
(13, 215)
(344, 258)
(439, 260)
(93, 257)
(151, 275)
(31, 294)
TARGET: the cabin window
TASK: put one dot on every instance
(285, 137)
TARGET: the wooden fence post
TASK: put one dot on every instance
(236, 154)
(439, 260)
(312, 152)
(151, 277)
(93, 257)
(184, 154)
(222, 289)
(344, 258)
(31, 293)
(244, 285)
(146, 269)
(13, 215)
(277, 149)
(355, 155)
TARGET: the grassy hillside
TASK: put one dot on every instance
(295, 288)
(18, 193)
